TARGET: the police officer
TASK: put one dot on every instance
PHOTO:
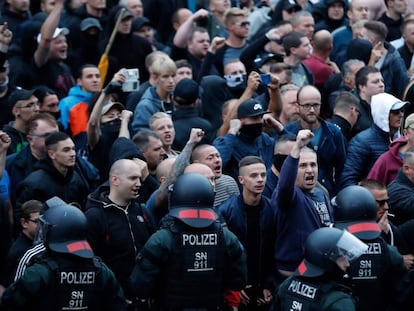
(379, 277)
(317, 284)
(191, 260)
(68, 276)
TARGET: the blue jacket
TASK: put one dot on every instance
(363, 150)
(67, 104)
(149, 104)
(296, 217)
(232, 149)
(234, 214)
(331, 153)
(394, 72)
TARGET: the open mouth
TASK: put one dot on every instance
(309, 179)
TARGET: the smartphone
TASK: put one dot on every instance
(265, 77)
(131, 83)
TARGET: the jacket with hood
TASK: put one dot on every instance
(74, 110)
(46, 182)
(401, 198)
(367, 146)
(386, 167)
(149, 104)
(116, 233)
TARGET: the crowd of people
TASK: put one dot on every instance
(213, 179)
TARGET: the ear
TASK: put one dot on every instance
(241, 180)
(51, 154)
(24, 223)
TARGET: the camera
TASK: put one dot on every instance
(131, 83)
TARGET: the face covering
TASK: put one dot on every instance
(4, 85)
(111, 129)
(278, 160)
(250, 132)
(235, 80)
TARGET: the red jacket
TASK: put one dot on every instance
(387, 165)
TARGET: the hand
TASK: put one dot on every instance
(333, 66)
(5, 141)
(253, 81)
(217, 43)
(235, 125)
(271, 123)
(119, 76)
(196, 135)
(200, 14)
(303, 138)
(126, 115)
(273, 34)
(274, 84)
(267, 297)
(143, 167)
(408, 260)
(376, 52)
(6, 35)
(384, 224)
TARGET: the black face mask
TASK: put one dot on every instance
(55, 114)
(278, 160)
(111, 129)
(250, 132)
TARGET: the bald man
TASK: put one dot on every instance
(117, 229)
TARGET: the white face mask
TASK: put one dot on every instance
(234, 80)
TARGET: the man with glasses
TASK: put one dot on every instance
(25, 106)
(327, 142)
(29, 220)
(390, 232)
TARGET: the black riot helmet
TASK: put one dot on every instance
(324, 246)
(63, 229)
(355, 210)
(192, 199)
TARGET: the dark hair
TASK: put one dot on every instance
(345, 100)
(183, 63)
(379, 29)
(55, 138)
(249, 160)
(292, 40)
(83, 67)
(31, 206)
(361, 77)
(141, 139)
(42, 91)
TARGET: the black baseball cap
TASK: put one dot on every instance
(250, 108)
(20, 94)
(186, 92)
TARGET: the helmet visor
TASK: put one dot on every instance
(348, 246)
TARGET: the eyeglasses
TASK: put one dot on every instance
(243, 24)
(397, 111)
(29, 105)
(382, 202)
(35, 221)
(315, 106)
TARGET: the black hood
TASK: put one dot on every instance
(124, 148)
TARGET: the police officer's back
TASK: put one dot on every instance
(379, 277)
(191, 260)
(317, 284)
(68, 276)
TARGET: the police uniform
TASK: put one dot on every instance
(192, 259)
(379, 277)
(68, 276)
(316, 285)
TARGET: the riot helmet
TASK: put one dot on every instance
(324, 246)
(355, 210)
(191, 200)
(63, 229)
